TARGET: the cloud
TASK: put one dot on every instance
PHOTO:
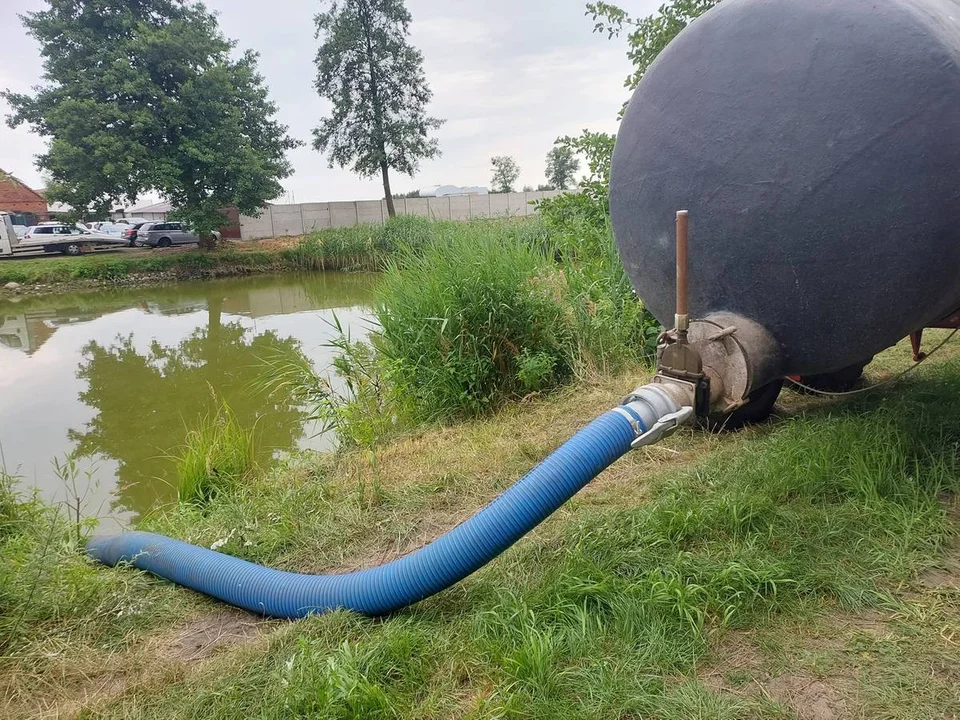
(509, 77)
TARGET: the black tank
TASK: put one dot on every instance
(816, 144)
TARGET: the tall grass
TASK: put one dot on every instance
(471, 320)
(218, 453)
(473, 315)
(361, 247)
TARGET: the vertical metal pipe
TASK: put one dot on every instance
(682, 320)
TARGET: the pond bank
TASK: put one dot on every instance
(125, 269)
(809, 562)
(359, 248)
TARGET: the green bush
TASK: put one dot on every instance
(457, 317)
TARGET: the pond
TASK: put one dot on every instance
(115, 379)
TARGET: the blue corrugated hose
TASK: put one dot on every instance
(383, 589)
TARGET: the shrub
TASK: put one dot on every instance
(456, 319)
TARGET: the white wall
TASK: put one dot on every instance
(292, 220)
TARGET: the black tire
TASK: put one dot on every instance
(758, 408)
(72, 249)
(837, 381)
(163, 242)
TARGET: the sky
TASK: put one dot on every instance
(508, 76)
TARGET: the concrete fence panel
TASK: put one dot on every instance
(517, 204)
(343, 214)
(285, 220)
(316, 216)
(499, 205)
(460, 207)
(255, 228)
(439, 208)
(531, 199)
(417, 206)
(479, 206)
(371, 212)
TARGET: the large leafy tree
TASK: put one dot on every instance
(562, 166)
(143, 95)
(375, 82)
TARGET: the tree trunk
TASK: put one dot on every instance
(208, 241)
(391, 210)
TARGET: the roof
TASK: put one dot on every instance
(6, 177)
(160, 207)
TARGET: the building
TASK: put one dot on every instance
(154, 213)
(28, 207)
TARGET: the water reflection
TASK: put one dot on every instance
(143, 401)
(117, 378)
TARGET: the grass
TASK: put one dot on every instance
(113, 268)
(475, 315)
(216, 457)
(706, 577)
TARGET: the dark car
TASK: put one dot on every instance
(130, 234)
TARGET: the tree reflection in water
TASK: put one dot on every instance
(146, 402)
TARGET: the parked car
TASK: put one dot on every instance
(165, 234)
(109, 228)
(68, 239)
(129, 233)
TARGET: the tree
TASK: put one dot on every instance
(592, 203)
(650, 35)
(647, 38)
(562, 165)
(375, 81)
(142, 95)
(505, 173)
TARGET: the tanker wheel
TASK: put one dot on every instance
(758, 408)
(837, 381)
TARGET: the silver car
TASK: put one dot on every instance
(165, 234)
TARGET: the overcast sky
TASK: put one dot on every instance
(509, 76)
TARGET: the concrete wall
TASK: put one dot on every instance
(289, 220)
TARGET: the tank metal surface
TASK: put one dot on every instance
(816, 145)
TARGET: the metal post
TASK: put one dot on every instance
(682, 319)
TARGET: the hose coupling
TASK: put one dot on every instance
(664, 427)
(655, 413)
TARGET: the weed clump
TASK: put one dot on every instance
(217, 455)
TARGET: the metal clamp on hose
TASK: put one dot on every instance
(656, 411)
(664, 428)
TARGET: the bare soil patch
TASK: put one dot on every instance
(208, 634)
(809, 698)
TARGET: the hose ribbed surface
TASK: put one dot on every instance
(387, 588)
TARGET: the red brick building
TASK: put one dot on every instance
(28, 206)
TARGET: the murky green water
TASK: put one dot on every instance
(116, 378)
